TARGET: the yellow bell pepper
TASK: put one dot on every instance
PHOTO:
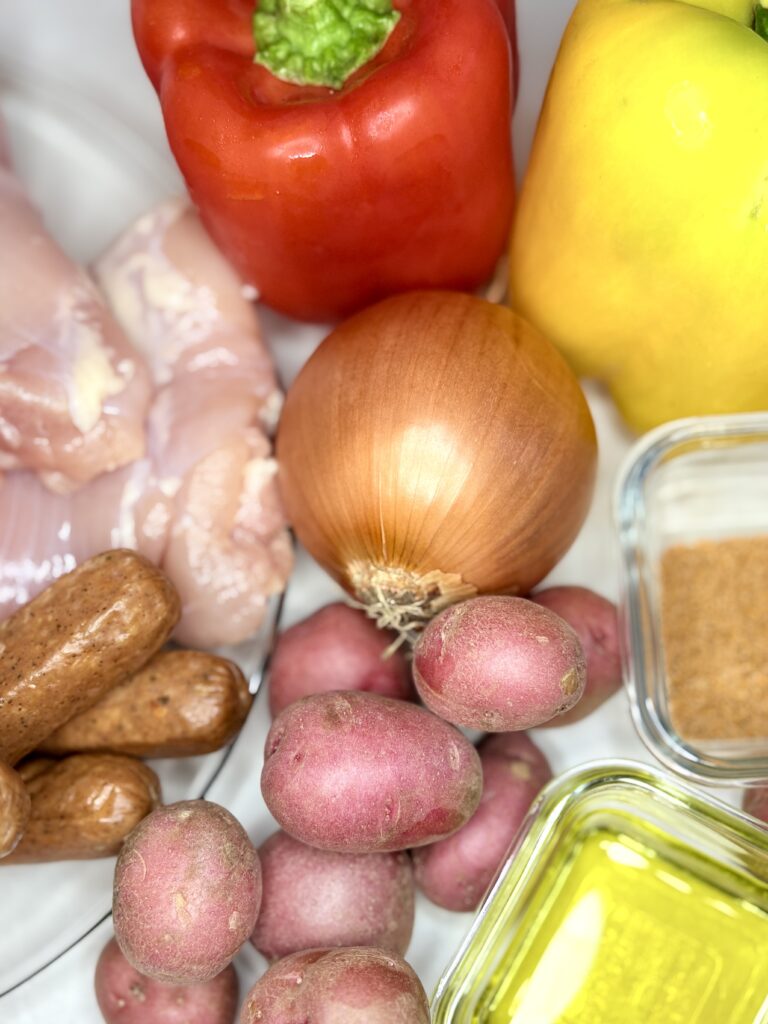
(640, 244)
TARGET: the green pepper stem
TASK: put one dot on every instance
(761, 19)
(320, 42)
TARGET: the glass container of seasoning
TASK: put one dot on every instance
(692, 514)
(627, 898)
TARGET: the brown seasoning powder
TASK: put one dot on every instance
(714, 612)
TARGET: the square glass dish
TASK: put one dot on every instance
(627, 898)
(691, 509)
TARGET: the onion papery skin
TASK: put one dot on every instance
(435, 446)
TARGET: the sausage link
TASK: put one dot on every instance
(180, 703)
(15, 807)
(84, 634)
(83, 807)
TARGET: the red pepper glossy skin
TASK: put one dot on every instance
(508, 10)
(327, 200)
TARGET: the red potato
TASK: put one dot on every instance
(756, 803)
(336, 648)
(127, 997)
(517, 747)
(359, 773)
(456, 872)
(500, 664)
(187, 892)
(356, 985)
(314, 898)
(595, 621)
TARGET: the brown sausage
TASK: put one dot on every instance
(181, 703)
(87, 632)
(15, 806)
(84, 806)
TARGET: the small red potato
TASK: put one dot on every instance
(456, 872)
(756, 803)
(315, 898)
(359, 773)
(500, 664)
(356, 985)
(187, 892)
(336, 648)
(595, 621)
(127, 997)
(516, 747)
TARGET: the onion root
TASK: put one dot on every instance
(402, 600)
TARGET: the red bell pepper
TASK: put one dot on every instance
(398, 175)
(508, 10)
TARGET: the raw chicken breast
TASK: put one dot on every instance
(227, 548)
(45, 535)
(203, 502)
(73, 392)
(5, 149)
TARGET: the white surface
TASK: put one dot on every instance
(89, 45)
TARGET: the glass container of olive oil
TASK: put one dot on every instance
(627, 898)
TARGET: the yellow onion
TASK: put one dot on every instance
(435, 447)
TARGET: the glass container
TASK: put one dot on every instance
(699, 484)
(627, 898)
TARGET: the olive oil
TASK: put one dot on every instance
(623, 931)
(628, 897)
